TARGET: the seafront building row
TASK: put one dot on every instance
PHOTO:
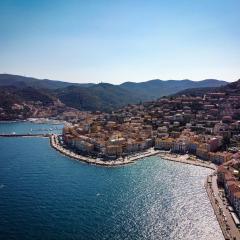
(228, 178)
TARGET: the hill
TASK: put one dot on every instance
(195, 91)
(103, 97)
(230, 89)
(22, 81)
(157, 88)
(20, 103)
(93, 97)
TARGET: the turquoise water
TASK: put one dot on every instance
(45, 195)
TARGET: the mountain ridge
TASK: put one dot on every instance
(97, 97)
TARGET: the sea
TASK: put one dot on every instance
(45, 195)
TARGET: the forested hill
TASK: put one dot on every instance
(89, 96)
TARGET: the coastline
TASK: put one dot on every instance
(118, 162)
(185, 159)
(54, 142)
(224, 218)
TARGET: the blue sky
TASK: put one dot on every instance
(116, 41)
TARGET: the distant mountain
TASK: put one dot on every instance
(230, 89)
(21, 81)
(157, 88)
(102, 96)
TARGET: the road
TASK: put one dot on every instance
(229, 229)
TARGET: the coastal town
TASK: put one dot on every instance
(206, 128)
(197, 129)
(119, 120)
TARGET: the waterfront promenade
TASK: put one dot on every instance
(229, 229)
(54, 141)
(186, 159)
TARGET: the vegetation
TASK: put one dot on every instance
(91, 97)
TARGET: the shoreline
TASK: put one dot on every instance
(223, 216)
(97, 161)
(163, 155)
(185, 159)
(54, 142)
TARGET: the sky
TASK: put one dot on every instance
(117, 41)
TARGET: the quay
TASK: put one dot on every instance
(223, 215)
(54, 142)
(185, 159)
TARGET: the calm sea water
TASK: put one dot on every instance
(44, 195)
